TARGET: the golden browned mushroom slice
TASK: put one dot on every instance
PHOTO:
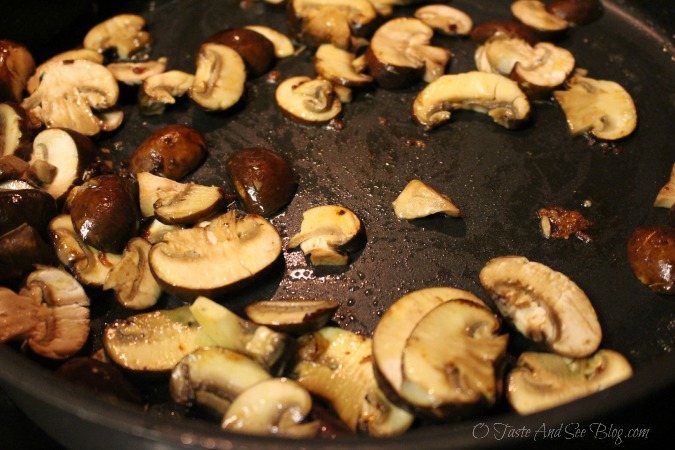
(446, 19)
(220, 77)
(77, 95)
(496, 95)
(544, 380)
(16, 132)
(162, 89)
(68, 55)
(19, 315)
(418, 200)
(533, 13)
(308, 100)
(283, 46)
(327, 234)
(336, 365)
(291, 316)
(225, 254)
(576, 12)
(211, 377)
(544, 305)
(16, 66)
(449, 361)
(278, 407)
(386, 7)
(124, 33)
(666, 195)
(134, 73)
(400, 54)
(339, 66)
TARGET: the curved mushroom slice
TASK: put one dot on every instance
(489, 93)
(457, 380)
(255, 49)
(327, 234)
(543, 380)
(418, 200)
(16, 65)
(506, 28)
(335, 364)
(70, 93)
(603, 108)
(220, 77)
(19, 315)
(123, 32)
(400, 54)
(16, 132)
(68, 55)
(277, 406)
(446, 19)
(291, 316)
(211, 377)
(283, 46)
(533, 13)
(544, 305)
(665, 198)
(308, 101)
(576, 12)
(162, 89)
(213, 259)
(135, 73)
(338, 66)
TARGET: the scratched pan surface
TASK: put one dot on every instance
(498, 177)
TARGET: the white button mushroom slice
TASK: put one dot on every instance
(666, 195)
(601, 107)
(134, 73)
(544, 305)
(70, 93)
(533, 13)
(450, 358)
(544, 380)
(68, 55)
(326, 234)
(418, 200)
(307, 100)
(336, 365)
(446, 19)
(337, 66)
(220, 77)
(496, 95)
(123, 32)
(283, 46)
(277, 406)
(162, 89)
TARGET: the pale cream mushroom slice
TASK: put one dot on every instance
(220, 77)
(124, 33)
(336, 365)
(419, 200)
(600, 107)
(292, 316)
(496, 95)
(327, 235)
(339, 66)
(276, 407)
(283, 46)
(77, 95)
(665, 198)
(446, 19)
(68, 55)
(16, 131)
(162, 89)
(308, 100)
(533, 13)
(135, 73)
(540, 381)
(543, 305)
(154, 230)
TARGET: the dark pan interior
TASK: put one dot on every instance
(498, 177)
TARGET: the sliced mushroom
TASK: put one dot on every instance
(220, 77)
(12, 168)
(32, 206)
(283, 46)
(543, 380)
(603, 108)
(16, 132)
(328, 234)
(277, 407)
(124, 33)
(533, 13)
(665, 198)
(19, 315)
(544, 305)
(418, 200)
(651, 254)
(70, 95)
(162, 89)
(154, 230)
(16, 65)
(336, 365)
(308, 101)
(135, 73)
(400, 54)
(489, 93)
(213, 259)
(446, 19)
(20, 249)
(576, 12)
(254, 48)
(292, 316)
(506, 28)
(131, 279)
(337, 66)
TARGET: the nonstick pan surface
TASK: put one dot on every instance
(498, 177)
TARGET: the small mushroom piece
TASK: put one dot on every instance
(70, 95)
(220, 77)
(327, 235)
(16, 65)
(162, 89)
(254, 48)
(651, 254)
(400, 54)
(131, 279)
(307, 100)
(543, 305)
(418, 200)
(336, 365)
(124, 33)
(21, 249)
(19, 315)
(224, 255)
(533, 13)
(68, 55)
(135, 73)
(576, 12)
(16, 132)
(601, 107)
(291, 316)
(446, 19)
(277, 407)
(665, 198)
(34, 207)
(544, 380)
(496, 95)
(338, 66)
(283, 46)
(153, 231)
(506, 28)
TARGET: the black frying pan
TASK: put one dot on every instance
(498, 177)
